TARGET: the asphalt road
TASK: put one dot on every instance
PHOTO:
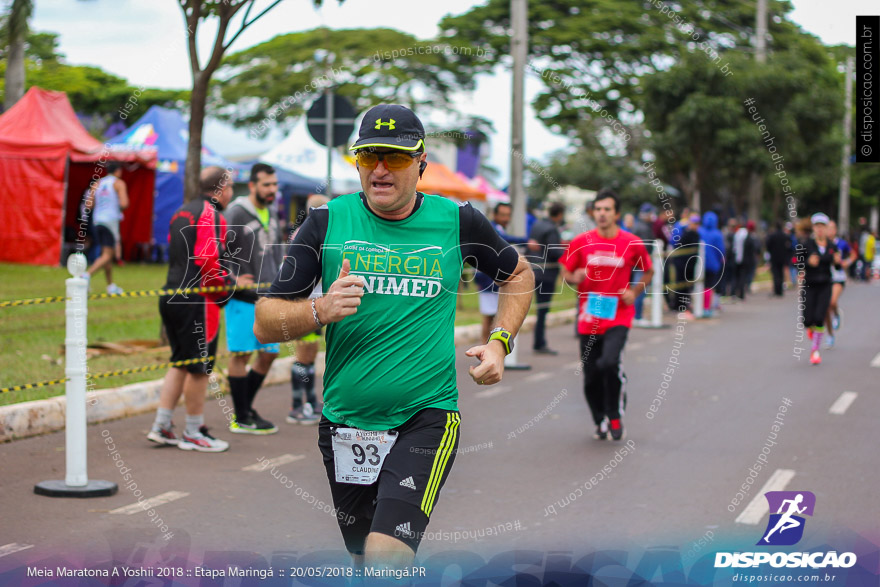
(528, 469)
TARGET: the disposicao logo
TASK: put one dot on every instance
(786, 528)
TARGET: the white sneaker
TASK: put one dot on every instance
(114, 289)
(202, 442)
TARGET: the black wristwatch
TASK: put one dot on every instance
(504, 336)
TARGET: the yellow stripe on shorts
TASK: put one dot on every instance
(440, 459)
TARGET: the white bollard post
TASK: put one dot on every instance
(76, 483)
(699, 291)
(657, 286)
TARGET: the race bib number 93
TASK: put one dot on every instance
(358, 455)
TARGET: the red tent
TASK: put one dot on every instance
(47, 160)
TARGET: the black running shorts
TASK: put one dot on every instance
(104, 236)
(186, 324)
(400, 502)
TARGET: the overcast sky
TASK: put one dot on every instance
(144, 42)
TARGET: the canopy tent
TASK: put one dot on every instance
(300, 153)
(47, 160)
(439, 179)
(167, 132)
(289, 182)
(493, 195)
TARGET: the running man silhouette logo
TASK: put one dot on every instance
(786, 526)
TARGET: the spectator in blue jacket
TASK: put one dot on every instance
(711, 235)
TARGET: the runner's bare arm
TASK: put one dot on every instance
(290, 319)
(574, 277)
(515, 296)
(280, 320)
(635, 289)
(122, 192)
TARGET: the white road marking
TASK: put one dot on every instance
(843, 403)
(143, 506)
(493, 391)
(282, 460)
(758, 508)
(540, 376)
(876, 361)
(13, 547)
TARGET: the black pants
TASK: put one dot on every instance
(778, 271)
(818, 298)
(543, 295)
(604, 379)
(742, 280)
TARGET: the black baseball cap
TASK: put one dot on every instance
(393, 126)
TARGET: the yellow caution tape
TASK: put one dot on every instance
(136, 294)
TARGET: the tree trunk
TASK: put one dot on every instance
(695, 191)
(193, 168)
(777, 201)
(14, 74)
(756, 190)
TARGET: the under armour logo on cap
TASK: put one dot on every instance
(393, 126)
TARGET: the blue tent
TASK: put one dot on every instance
(166, 131)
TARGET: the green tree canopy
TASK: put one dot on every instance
(598, 50)
(91, 90)
(282, 76)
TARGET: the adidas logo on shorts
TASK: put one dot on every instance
(403, 529)
(408, 482)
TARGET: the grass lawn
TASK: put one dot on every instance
(32, 337)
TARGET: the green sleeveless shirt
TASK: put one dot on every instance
(396, 355)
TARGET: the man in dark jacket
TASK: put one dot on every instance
(545, 250)
(779, 247)
(255, 246)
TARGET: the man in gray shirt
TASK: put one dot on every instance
(255, 248)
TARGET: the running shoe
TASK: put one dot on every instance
(163, 436)
(252, 425)
(836, 320)
(202, 442)
(262, 423)
(815, 359)
(601, 432)
(829, 342)
(114, 289)
(304, 415)
(545, 351)
(617, 431)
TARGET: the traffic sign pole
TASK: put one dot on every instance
(328, 139)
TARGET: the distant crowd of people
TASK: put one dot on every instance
(732, 257)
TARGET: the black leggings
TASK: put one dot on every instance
(604, 379)
(818, 298)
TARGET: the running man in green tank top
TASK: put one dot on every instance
(390, 259)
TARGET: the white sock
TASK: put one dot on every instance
(163, 419)
(193, 423)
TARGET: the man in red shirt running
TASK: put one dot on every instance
(600, 262)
